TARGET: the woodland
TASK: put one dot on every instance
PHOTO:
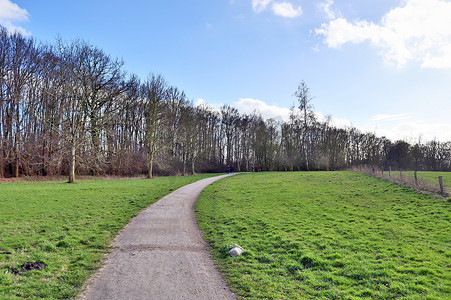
(69, 108)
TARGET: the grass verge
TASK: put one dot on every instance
(426, 176)
(426, 182)
(330, 235)
(67, 227)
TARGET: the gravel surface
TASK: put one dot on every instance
(160, 254)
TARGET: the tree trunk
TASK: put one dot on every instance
(16, 157)
(72, 164)
(184, 163)
(1, 163)
(95, 144)
(306, 157)
(150, 167)
(192, 166)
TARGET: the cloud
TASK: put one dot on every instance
(390, 117)
(419, 31)
(339, 122)
(413, 130)
(326, 7)
(285, 9)
(249, 105)
(405, 127)
(282, 9)
(11, 13)
(213, 107)
(393, 126)
(260, 5)
(200, 102)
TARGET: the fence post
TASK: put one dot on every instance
(440, 181)
(389, 172)
(416, 178)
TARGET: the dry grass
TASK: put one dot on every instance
(65, 178)
(406, 178)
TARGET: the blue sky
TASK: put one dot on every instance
(383, 66)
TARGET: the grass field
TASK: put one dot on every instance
(68, 227)
(328, 235)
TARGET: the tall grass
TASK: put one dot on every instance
(426, 181)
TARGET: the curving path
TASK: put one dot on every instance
(160, 254)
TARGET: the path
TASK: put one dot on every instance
(161, 255)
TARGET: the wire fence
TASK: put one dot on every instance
(423, 181)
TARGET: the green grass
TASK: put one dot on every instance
(68, 227)
(327, 235)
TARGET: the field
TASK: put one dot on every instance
(67, 227)
(329, 235)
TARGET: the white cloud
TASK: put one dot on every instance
(285, 9)
(200, 102)
(326, 7)
(393, 126)
(413, 130)
(282, 9)
(419, 31)
(390, 117)
(249, 105)
(213, 107)
(11, 13)
(260, 5)
(340, 122)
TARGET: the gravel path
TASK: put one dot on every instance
(161, 255)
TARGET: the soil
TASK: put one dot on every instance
(28, 266)
(161, 255)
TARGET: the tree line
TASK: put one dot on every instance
(69, 108)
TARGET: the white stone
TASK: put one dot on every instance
(234, 252)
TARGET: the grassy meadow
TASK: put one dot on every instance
(68, 227)
(327, 235)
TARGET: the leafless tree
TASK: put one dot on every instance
(154, 90)
(307, 118)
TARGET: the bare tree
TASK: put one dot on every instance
(307, 118)
(71, 97)
(230, 118)
(154, 90)
(102, 82)
(4, 66)
(22, 56)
